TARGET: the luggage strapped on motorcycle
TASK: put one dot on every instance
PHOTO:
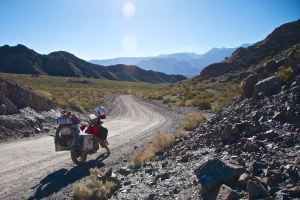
(66, 117)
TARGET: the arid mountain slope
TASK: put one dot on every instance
(22, 60)
(280, 39)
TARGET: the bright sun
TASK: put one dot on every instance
(129, 9)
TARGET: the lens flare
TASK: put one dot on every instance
(129, 9)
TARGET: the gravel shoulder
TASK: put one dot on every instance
(31, 169)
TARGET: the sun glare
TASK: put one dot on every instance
(129, 9)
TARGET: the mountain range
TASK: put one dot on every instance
(187, 64)
(22, 60)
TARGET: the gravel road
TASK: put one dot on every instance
(31, 169)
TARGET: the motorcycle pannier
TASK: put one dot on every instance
(87, 141)
(64, 120)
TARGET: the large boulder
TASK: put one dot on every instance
(214, 172)
(256, 190)
(272, 66)
(248, 85)
(226, 193)
(269, 85)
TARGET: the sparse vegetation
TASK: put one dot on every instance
(285, 75)
(209, 96)
(44, 94)
(93, 188)
(80, 94)
(160, 142)
(181, 133)
(192, 120)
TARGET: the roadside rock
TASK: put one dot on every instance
(256, 190)
(226, 193)
(269, 85)
(248, 85)
(215, 171)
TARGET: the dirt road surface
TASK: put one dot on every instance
(31, 169)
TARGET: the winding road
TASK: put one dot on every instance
(31, 169)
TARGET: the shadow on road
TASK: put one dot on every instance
(57, 180)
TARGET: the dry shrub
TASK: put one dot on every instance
(181, 133)
(188, 103)
(44, 93)
(73, 103)
(192, 120)
(219, 105)
(180, 103)
(203, 104)
(93, 188)
(141, 157)
(160, 142)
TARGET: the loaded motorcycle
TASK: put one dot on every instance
(80, 140)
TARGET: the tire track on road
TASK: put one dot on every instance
(28, 166)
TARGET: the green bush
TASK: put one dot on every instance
(218, 86)
(203, 104)
(285, 75)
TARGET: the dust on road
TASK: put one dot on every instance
(31, 169)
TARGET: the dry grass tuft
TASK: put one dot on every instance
(192, 120)
(93, 188)
(181, 133)
(44, 93)
(73, 103)
(160, 142)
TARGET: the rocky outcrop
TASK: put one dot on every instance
(14, 97)
(268, 86)
(266, 81)
(280, 39)
(248, 85)
(215, 172)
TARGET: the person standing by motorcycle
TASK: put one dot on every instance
(102, 135)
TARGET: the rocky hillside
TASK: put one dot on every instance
(14, 97)
(19, 111)
(248, 150)
(242, 59)
(22, 60)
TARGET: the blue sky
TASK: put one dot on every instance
(103, 29)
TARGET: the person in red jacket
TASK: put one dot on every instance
(102, 136)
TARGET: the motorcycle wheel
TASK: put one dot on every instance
(64, 135)
(78, 158)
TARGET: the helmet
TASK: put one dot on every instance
(100, 110)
